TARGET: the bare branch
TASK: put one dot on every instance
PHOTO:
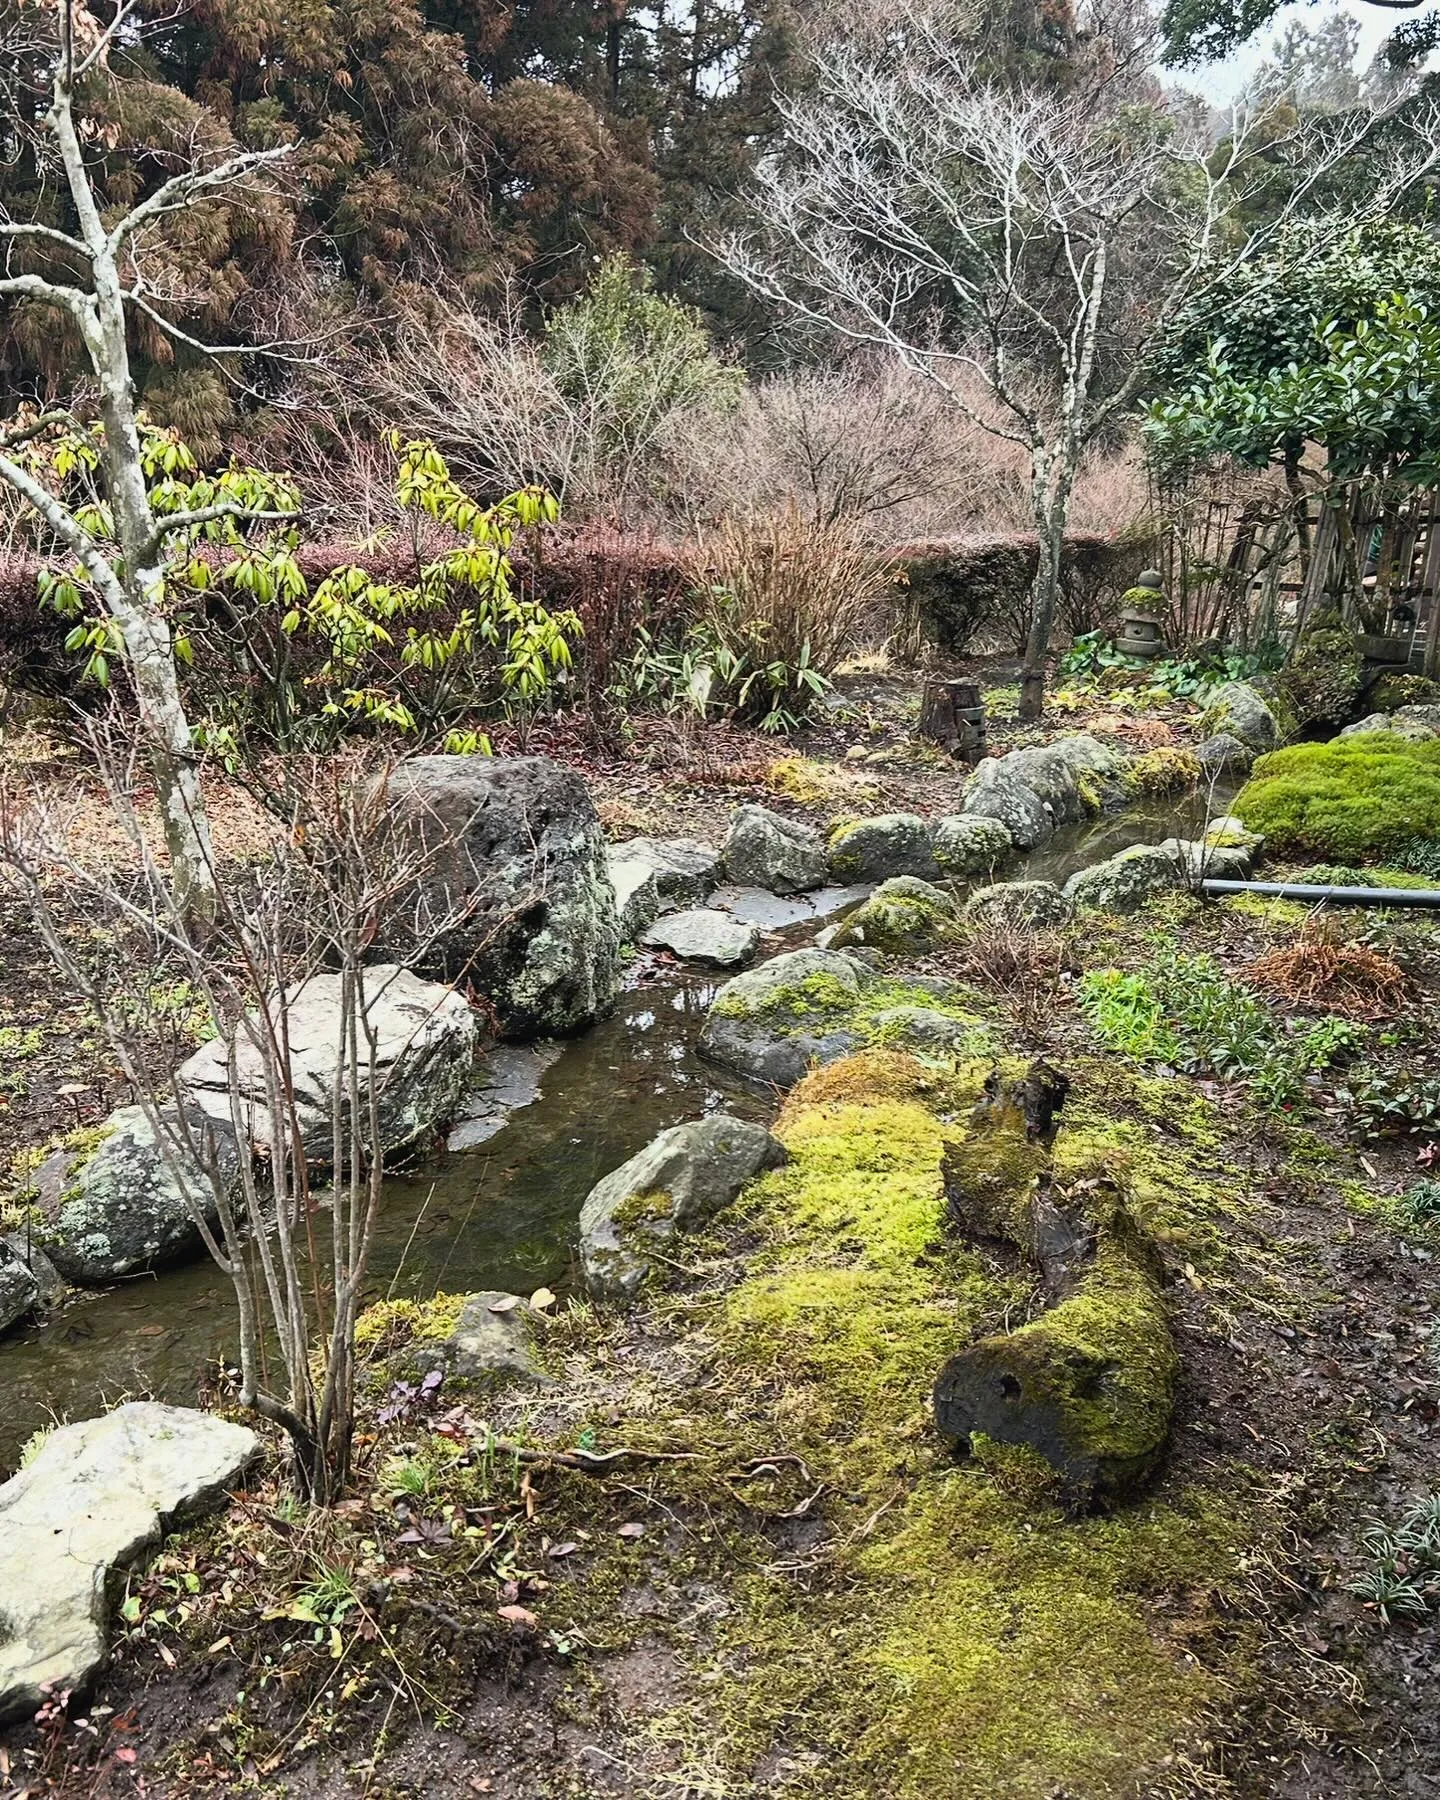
(203, 515)
(184, 189)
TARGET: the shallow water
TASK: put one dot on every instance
(500, 1210)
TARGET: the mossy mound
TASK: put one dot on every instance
(1321, 683)
(961, 1636)
(1351, 800)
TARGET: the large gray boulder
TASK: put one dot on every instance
(878, 848)
(120, 1199)
(674, 1184)
(494, 1343)
(772, 1022)
(1124, 882)
(512, 891)
(764, 850)
(1017, 905)
(49, 1283)
(93, 1500)
(425, 1041)
(970, 844)
(1239, 711)
(19, 1290)
(700, 934)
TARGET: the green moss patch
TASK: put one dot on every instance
(1351, 800)
(960, 1635)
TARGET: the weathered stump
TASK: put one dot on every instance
(953, 715)
(1089, 1384)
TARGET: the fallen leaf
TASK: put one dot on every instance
(127, 1756)
(542, 1298)
(518, 1615)
(633, 1530)
(166, 1655)
(559, 1550)
(220, 1644)
(506, 1303)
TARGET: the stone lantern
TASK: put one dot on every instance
(1142, 608)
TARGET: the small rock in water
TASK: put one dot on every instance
(764, 850)
(95, 1497)
(19, 1290)
(704, 936)
(118, 1200)
(674, 1184)
(1021, 905)
(426, 1035)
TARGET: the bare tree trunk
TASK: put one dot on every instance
(1052, 510)
(137, 602)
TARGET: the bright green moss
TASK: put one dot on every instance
(639, 1210)
(955, 1634)
(1351, 800)
(1340, 875)
(389, 1321)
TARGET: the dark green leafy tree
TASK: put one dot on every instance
(1367, 394)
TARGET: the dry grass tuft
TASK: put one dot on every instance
(1348, 979)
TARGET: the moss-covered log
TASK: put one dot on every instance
(1090, 1383)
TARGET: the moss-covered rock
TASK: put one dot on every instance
(875, 849)
(1125, 881)
(1163, 770)
(1237, 710)
(774, 1022)
(766, 851)
(1351, 800)
(1322, 682)
(903, 915)
(675, 1183)
(1018, 905)
(115, 1200)
(1090, 1384)
(969, 844)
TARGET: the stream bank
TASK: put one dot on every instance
(500, 1209)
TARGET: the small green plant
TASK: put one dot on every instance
(1420, 1203)
(1403, 1581)
(1421, 856)
(1389, 1102)
(1184, 1011)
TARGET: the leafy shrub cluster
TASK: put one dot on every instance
(1351, 800)
(1182, 1011)
(1389, 1102)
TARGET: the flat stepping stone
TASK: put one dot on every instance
(703, 935)
(97, 1496)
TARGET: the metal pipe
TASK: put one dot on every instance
(1328, 896)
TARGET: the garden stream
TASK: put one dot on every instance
(500, 1209)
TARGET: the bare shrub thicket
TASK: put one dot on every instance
(869, 441)
(296, 1250)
